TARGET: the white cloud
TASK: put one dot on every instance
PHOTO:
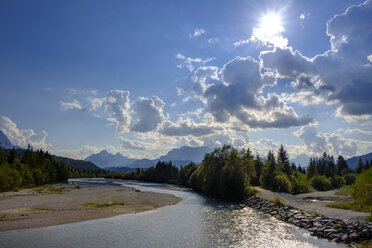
(117, 106)
(190, 62)
(302, 16)
(369, 58)
(332, 143)
(23, 137)
(197, 32)
(75, 104)
(237, 97)
(339, 75)
(147, 114)
(213, 40)
(186, 127)
(129, 144)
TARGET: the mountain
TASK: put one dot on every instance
(195, 154)
(4, 141)
(179, 156)
(353, 162)
(120, 169)
(105, 159)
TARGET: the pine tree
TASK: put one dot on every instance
(312, 168)
(283, 161)
(341, 165)
(360, 167)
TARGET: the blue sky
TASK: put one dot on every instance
(143, 77)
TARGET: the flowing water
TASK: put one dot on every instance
(194, 222)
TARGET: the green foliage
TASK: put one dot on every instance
(362, 188)
(337, 182)
(321, 183)
(277, 201)
(359, 169)
(350, 206)
(349, 179)
(300, 184)
(283, 161)
(34, 169)
(281, 183)
(102, 205)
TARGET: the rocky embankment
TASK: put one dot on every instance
(335, 230)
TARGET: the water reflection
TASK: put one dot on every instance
(194, 222)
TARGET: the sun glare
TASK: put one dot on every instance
(271, 24)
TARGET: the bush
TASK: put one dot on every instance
(362, 188)
(321, 183)
(300, 184)
(277, 201)
(350, 179)
(337, 182)
(282, 184)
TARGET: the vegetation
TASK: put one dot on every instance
(102, 205)
(26, 168)
(34, 169)
(361, 192)
(277, 201)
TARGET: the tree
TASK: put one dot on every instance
(269, 171)
(12, 156)
(341, 164)
(283, 161)
(360, 167)
(311, 169)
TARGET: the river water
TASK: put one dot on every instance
(194, 222)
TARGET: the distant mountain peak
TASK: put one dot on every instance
(4, 141)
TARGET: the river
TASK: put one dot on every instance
(194, 222)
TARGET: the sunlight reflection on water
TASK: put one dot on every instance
(194, 222)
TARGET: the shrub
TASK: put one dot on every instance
(349, 179)
(362, 188)
(300, 184)
(321, 183)
(277, 201)
(337, 182)
(282, 184)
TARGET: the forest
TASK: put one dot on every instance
(227, 173)
(35, 168)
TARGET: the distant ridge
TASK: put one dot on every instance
(179, 156)
(105, 159)
(353, 162)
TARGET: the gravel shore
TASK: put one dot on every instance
(61, 204)
(315, 203)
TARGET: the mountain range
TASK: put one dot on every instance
(179, 157)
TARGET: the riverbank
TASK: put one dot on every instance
(336, 225)
(61, 204)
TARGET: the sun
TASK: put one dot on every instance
(271, 24)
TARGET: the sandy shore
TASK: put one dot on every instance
(54, 205)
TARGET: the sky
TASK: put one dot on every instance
(143, 77)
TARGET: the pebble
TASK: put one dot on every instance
(335, 230)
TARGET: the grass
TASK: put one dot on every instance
(102, 205)
(344, 191)
(315, 213)
(50, 189)
(350, 206)
(277, 201)
(137, 190)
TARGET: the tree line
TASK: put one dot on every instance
(35, 168)
(228, 174)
